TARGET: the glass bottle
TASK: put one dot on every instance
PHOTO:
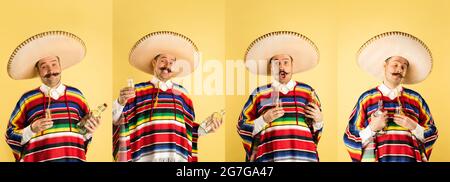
(96, 113)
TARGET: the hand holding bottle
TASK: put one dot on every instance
(213, 122)
(91, 121)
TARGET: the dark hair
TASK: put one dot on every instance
(37, 67)
(159, 55)
(270, 60)
(387, 60)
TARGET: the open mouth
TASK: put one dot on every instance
(283, 74)
(398, 75)
(165, 70)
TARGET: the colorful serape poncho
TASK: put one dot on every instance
(158, 126)
(397, 144)
(60, 143)
(288, 138)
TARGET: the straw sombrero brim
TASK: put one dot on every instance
(303, 51)
(165, 42)
(374, 52)
(69, 48)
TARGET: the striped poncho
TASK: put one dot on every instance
(397, 144)
(288, 138)
(158, 126)
(60, 143)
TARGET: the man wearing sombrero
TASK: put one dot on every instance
(43, 125)
(155, 120)
(391, 123)
(281, 121)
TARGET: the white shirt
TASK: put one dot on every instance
(367, 134)
(54, 93)
(283, 88)
(259, 123)
(164, 86)
(391, 93)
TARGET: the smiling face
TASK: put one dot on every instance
(162, 65)
(49, 70)
(395, 69)
(281, 67)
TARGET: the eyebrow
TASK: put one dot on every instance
(165, 57)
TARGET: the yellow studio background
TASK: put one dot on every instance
(339, 28)
(91, 21)
(247, 20)
(203, 22)
(361, 20)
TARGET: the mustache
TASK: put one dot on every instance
(48, 75)
(283, 72)
(166, 68)
(398, 74)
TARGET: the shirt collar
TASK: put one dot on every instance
(391, 93)
(164, 86)
(283, 88)
(55, 93)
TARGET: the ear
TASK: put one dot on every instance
(153, 62)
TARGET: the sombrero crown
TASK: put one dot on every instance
(374, 52)
(303, 51)
(165, 42)
(69, 48)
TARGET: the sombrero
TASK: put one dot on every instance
(165, 42)
(68, 47)
(374, 52)
(303, 51)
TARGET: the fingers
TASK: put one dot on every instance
(309, 116)
(311, 111)
(399, 119)
(278, 114)
(127, 93)
(91, 124)
(127, 89)
(42, 124)
(89, 128)
(399, 116)
(47, 124)
(276, 109)
(213, 125)
(273, 114)
(313, 105)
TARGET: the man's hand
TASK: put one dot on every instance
(313, 111)
(273, 114)
(405, 122)
(212, 124)
(91, 123)
(125, 94)
(377, 123)
(41, 125)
